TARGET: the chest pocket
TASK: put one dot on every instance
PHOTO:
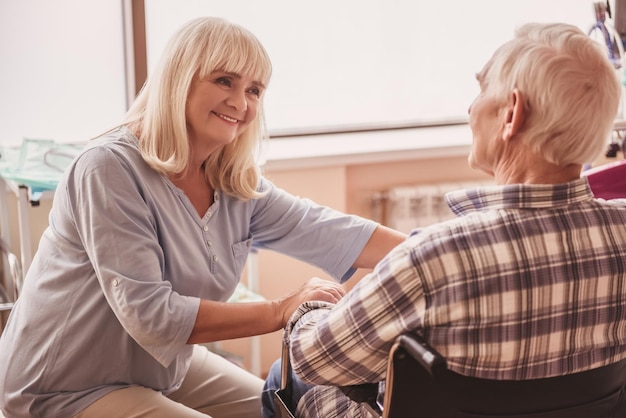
(240, 252)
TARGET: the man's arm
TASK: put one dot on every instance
(348, 343)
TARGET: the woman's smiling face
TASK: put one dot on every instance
(220, 107)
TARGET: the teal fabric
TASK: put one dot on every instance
(37, 163)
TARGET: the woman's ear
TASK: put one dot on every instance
(514, 114)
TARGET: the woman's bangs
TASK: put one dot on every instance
(245, 58)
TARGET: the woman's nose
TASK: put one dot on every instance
(238, 100)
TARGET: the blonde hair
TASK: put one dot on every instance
(572, 90)
(198, 48)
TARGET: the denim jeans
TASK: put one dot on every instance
(272, 384)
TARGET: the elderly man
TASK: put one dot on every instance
(528, 281)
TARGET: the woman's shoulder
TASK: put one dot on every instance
(111, 157)
(265, 185)
(117, 139)
(119, 144)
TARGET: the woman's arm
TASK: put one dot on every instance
(222, 320)
(319, 235)
(382, 241)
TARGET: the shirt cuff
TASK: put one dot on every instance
(302, 310)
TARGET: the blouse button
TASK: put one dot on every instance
(115, 283)
(206, 228)
(215, 258)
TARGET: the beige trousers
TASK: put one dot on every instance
(213, 387)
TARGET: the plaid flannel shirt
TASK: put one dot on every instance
(527, 282)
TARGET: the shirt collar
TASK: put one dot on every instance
(519, 196)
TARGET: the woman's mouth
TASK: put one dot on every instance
(226, 118)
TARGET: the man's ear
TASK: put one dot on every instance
(514, 114)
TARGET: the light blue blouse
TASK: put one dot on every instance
(113, 291)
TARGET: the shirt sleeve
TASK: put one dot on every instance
(348, 343)
(316, 234)
(119, 236)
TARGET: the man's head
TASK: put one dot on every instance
(551, 87)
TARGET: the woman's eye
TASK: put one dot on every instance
(255, 91)
(224, 81)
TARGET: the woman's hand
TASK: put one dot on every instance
(314, 289)
(218, 321)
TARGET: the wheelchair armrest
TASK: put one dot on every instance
(421, 351)
(366, 393)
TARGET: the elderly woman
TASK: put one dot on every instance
(149, 233)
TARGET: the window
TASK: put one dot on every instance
(62, 69)
(347, 63)
(337, 63)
